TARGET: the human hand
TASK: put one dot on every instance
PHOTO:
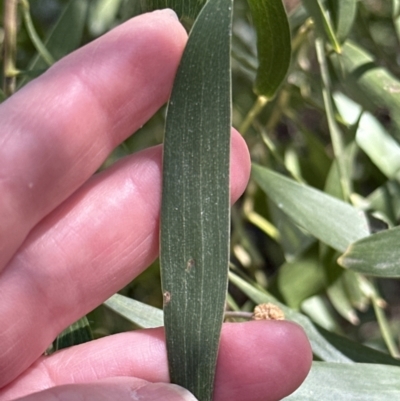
(69, 240)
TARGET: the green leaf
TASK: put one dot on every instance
(356, 351)
(386, 200)
(334, 130)
(102, 15)
(376, 142)
(332, 221)
(349, 110)
(78, 333)
(320, 312)
(343, 13)
(353, 285)
(350, 382)
(369, 84)
(341, 302)
(273, 45)
(377, 255)
(333, 186)
(321, 348)
(322, 23)
(395, 16)
(142, 315)
(195, 201)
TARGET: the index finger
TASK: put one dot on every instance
(58, 130)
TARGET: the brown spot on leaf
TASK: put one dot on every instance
(189, 265)
(166, 297)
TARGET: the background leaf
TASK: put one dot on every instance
(356, 351)
(343, 14)
(75, 334)
(142, 315)
(377, 255)
(369, 84)
(102, 15)
(322, 23)
(350, 382)
(273, 45)
(65, 36)
(195, 203)
(375, 141)
(332, 221)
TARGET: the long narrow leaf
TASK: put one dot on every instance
(334, 222)
(378, 254)
(343, 13)
(195, 203)
(376, 142)
(355, 382)
(356, 351)
(334, 130)
(142, 315)
(77, 333)
(322, 23)
(273, 44)
(369, 84)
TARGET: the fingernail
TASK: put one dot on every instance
(168, 13)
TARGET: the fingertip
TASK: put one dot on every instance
(240, 165)
(261, 360)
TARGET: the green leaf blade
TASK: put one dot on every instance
(379, 145)
(75, 334)
(334, 222)
(322, 23)
(377, 255)
(195, 205)
(350, 382)
(273, 45)
(142, 315)
(371, 85)
(343, 13)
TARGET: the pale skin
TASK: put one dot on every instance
(69, 240)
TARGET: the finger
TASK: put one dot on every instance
(257, 361)
(121, 389)
(86, 250)
(58, 130)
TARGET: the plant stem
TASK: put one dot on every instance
(258, 105)
(10, 46)
(34, 37)
(334, 130)
(370, 291)
(263, 224)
